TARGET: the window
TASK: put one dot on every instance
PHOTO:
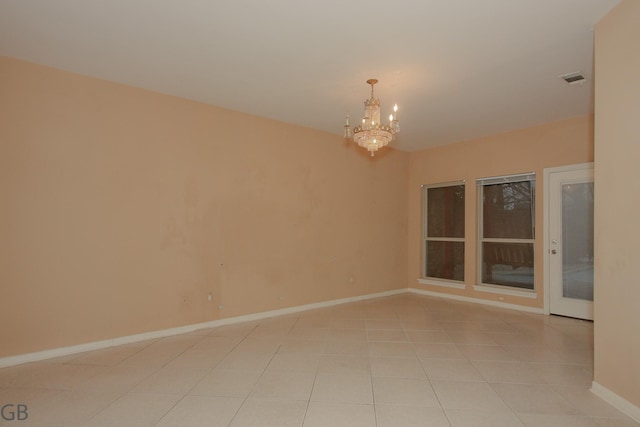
(507, 230)
(443, 231)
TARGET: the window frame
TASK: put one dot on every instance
(503, 288)
(424, 279)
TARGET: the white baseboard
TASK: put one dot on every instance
(478, 301)
(616, 401)
(97, 345)
(442, 283)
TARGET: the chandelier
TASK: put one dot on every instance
(372, 134)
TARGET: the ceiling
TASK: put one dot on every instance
(457, 69)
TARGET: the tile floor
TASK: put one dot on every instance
(400, 361)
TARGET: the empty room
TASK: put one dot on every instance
(319, 214)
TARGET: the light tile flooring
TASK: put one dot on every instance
(400, 361)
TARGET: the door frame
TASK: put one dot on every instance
(546, 221)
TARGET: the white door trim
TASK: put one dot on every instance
(547, 191)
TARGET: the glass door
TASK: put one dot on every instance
(570, 251)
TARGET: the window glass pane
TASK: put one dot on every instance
(577, 241)
(508, 210)
(445, 211)
(509, 264)
(445, 260)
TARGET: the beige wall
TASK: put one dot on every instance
(617, 151)
(527, 150)
(123, 209)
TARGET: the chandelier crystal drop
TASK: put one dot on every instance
(371, 133)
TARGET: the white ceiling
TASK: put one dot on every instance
(458, 69)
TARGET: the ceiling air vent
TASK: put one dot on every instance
(574, 78)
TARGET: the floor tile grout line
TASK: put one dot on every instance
(246, 398)
(306, 411)
(198, 382)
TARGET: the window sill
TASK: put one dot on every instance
(506, 291)
(452, 284)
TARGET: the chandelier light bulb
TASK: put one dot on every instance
(347, 128)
